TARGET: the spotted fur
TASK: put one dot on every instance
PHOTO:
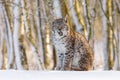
(73, 50)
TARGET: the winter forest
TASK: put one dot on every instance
(25, 31)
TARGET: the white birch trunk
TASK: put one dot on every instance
(39, 22)
(85, 10)
(74, 17)
(1, 45)
(57, 9)
(116, 61)
(106, 65)
(117, 34)
(16, 35)
(24, 15)
(1, 36)
(31, 55)
(9, 39)
(118, 48)
(48, 47)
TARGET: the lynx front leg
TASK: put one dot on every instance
(68, 61)
(60, 58)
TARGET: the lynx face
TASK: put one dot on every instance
(59, 28)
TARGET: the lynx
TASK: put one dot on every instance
(73, 51)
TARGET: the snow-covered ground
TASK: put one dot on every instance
(58, 75)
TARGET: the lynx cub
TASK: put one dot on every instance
(72, 49)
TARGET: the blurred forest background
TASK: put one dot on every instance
(25, 31)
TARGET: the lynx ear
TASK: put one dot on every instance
(65, 18)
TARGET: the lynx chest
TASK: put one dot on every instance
(60, 46)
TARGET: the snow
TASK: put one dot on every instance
(58, 75)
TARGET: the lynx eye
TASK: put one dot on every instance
(60, 33)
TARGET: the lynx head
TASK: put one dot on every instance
(60, 28)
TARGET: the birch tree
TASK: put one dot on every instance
(16, 35)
